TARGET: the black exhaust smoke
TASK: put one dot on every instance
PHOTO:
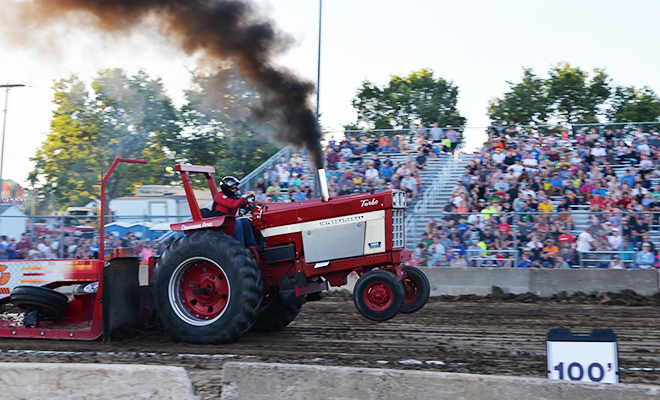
(224, 30)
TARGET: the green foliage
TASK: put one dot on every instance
(351, 127)
(526, 103)
(573, 97)
(132, 117)
(630, 104)
(129, 117)
(407, 101)
(570, 95)
(218, 129)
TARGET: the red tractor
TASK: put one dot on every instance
(209, 288)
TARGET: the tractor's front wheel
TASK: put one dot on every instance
(378, 295)
(417, 289)
(207, 288)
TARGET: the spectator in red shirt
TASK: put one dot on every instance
(23, 246)
(566, 236)
(597, 203)
(505, 228)
(383, 144)
(333, 159)
(625, 201)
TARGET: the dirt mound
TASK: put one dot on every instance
(623, 298)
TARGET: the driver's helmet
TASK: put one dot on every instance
(229, 186)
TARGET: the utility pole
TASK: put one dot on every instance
(318, 71)
(4, 126)
(317, 187)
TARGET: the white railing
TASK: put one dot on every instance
(249, 180)
(430, 195)
(432, 192)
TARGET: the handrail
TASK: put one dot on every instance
(413, 213)
(432, 192)
(259, 171)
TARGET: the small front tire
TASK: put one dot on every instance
(379, 295)
(417, 289)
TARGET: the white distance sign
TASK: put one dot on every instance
(574, 357)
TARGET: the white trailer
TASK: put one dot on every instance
(155, 204)
(13, 221)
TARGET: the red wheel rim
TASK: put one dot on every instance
(412, 290)
(378, 296)
(204, 290)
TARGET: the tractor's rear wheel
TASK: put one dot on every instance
(417, 288)
(378, 295)
(207, 288)
(275, 315)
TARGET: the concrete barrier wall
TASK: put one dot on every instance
(93, 381)
(542, 282)
(258, 381)
(455, 281)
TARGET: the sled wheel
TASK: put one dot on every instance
(275, 315)
(206, 288)
(45, 301)
(86, 288)
(378, 295)
(417, 288)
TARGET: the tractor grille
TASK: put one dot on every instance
(398, 239)
(398, 199)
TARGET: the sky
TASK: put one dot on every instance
(477, 44)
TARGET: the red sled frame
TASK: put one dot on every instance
(118, 300)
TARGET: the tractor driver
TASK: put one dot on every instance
(228, 202)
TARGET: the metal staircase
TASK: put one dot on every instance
(435, 196)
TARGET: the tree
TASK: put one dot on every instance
(407, 101)
(526, 103)
(218, 129)
(574, 98)
(128, 117)
(629, 104)
(571, 95)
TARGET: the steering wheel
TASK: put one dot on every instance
(251, 205)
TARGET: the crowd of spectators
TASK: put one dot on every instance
(360, 165)
(516, 203)
(46, 247)
(514, 206)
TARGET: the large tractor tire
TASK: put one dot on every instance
(275, 315)
(379, 295)
(417, 288)
(47, 302)
(206, 288)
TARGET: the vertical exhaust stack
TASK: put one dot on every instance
(323, 184)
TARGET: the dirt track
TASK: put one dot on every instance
(484, 336)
